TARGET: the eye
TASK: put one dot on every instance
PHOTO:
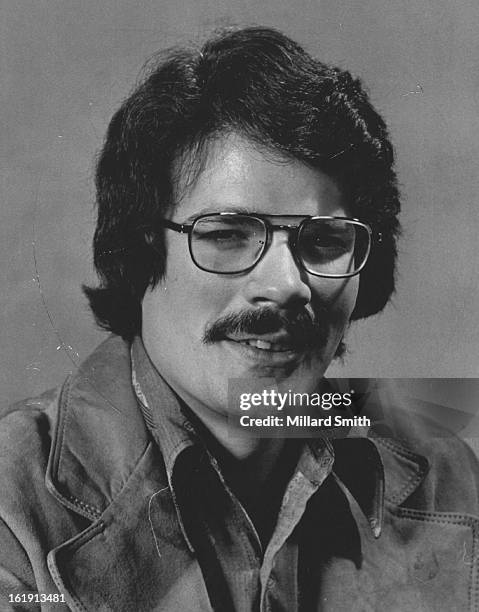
(225, 239)
(220, 233)
(326, 247)
(223, 235)
(327, 242)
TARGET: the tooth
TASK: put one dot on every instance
(262, 344)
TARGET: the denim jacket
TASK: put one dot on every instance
(78, 472)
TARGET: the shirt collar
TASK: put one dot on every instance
(355, 461)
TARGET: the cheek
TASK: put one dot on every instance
(337, 296)
(187, 289)
(183, 304)
(351, 294)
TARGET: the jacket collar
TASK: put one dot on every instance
(397, 435)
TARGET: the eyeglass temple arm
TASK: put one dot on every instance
(182, 228)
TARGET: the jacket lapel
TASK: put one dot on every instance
(134, 557)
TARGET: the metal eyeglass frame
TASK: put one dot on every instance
(294, 231)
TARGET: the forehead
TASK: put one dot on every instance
(239, 176)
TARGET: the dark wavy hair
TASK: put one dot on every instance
(259, 83)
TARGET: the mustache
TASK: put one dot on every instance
(303, 330)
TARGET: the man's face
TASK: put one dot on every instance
(188, 302)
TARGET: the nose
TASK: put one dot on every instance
(277, 279)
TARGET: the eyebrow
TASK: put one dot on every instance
(211, 210)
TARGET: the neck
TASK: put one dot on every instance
(232, 445)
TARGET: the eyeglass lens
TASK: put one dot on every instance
(229, 244)
(332, 246)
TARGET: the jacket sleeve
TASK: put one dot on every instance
(16, 574)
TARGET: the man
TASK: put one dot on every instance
(247, 212)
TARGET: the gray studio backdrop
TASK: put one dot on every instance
(66, 66)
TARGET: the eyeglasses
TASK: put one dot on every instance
(231, 243)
